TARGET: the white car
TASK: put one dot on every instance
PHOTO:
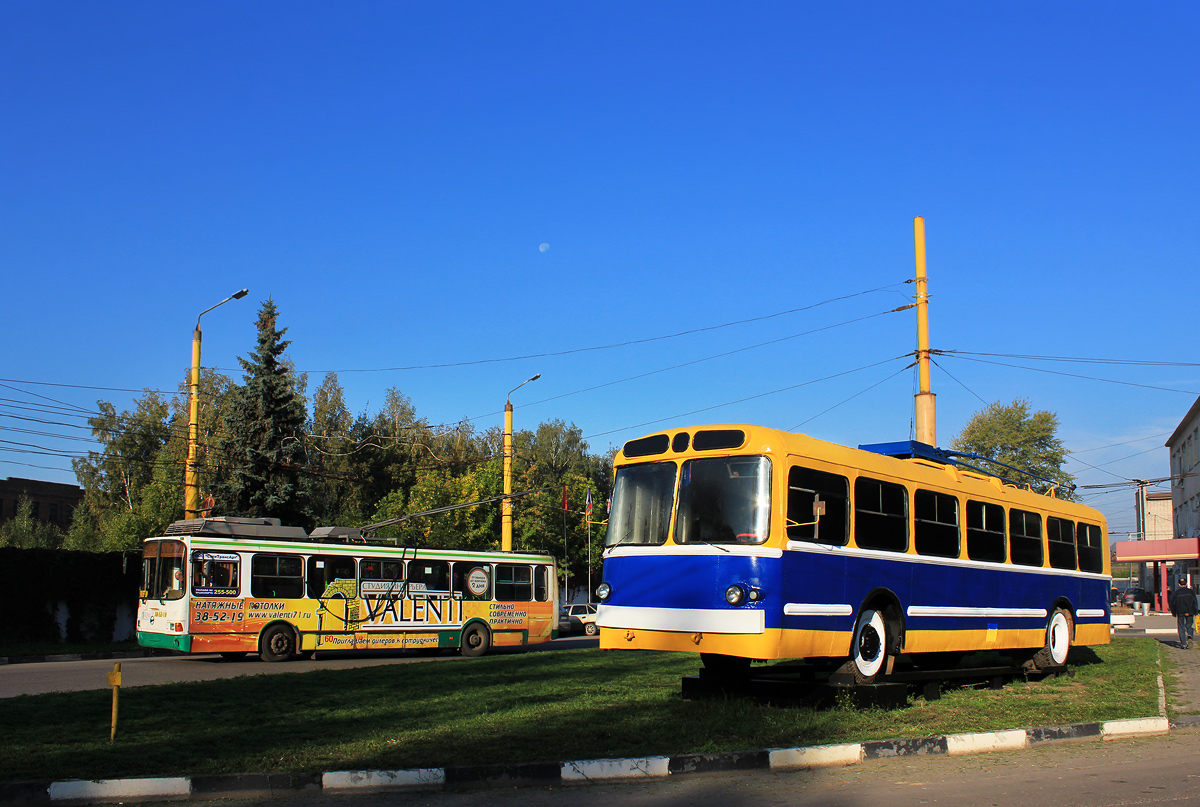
(579, 616)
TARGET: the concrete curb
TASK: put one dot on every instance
(574, 772)
(115, 654)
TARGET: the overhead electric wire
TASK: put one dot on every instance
(628, 343)
(1074, 359)
(952, 354)
(749, 398)
(706, 358)
(851, 398)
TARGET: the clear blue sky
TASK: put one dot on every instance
(389, 174)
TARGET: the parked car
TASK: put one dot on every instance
(578, 617)
(1132, 596)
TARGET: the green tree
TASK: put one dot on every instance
(1011, 434)
(26, 532)
(262, 446)
(135, 459)
(330, 448)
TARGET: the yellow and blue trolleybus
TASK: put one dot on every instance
(739, 542)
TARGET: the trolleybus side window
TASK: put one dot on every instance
(514, 582)
(641, 505)
(277, 576)
(880, 515)
(1060, 535)
(724, 500)
(818, 506)
(1025, 537)
(381, 576)
(935, 524)
(325, 570)
(1088, 540)
(541, 583)
(215, 574)
(428, 575)
(985, 532)
(472, 580)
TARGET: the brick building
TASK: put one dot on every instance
(51, 502)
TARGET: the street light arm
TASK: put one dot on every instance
(237, 295)
(508, 399)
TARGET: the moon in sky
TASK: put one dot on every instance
(543, 247)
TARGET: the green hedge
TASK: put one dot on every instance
(91, 584)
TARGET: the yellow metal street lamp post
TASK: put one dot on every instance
(506, 502)
(191, 487)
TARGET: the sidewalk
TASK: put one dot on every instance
(1186, 696)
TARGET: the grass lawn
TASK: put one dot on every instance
(581, 704)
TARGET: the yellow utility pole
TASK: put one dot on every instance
(926, 401)
(191, 485)
(506, 502)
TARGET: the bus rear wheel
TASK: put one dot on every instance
(1060, 632)
(278, 644)
(868, 651)
(475, 640)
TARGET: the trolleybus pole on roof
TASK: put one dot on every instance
(926, 401)
(191, 486)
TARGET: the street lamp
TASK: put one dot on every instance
(191, 487)
(506, 502)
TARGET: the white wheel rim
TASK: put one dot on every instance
(1059, 638)
(869, 665)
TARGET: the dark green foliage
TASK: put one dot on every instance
(262, 448)
(92, 585)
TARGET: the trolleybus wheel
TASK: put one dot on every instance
(278, 644)
(233, 656)
(868, 653)
(725, 666)
(1059, 633)
(475, 640)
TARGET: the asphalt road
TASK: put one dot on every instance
(1158, 770)
(70, 676)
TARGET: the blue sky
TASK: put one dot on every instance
(390, 172)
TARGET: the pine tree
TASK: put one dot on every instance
(262, 446)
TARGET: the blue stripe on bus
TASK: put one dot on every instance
(834, 578)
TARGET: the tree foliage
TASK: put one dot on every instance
(260, 454)
(1013, 435)
(262, 449)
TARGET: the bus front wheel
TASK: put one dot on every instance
(475, 640)
(278, 643)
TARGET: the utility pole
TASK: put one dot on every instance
(926, 401)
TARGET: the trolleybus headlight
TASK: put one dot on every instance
(735, 594)
(603, 591)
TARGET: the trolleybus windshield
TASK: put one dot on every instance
(641, 504)
(724, 500)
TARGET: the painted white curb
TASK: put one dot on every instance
(592, 769)
(986, 741)
(817, 756)
(113, 789)
(1137, 725)
(382, 780)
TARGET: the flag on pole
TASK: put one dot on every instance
(587, 508)
(564, 498)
